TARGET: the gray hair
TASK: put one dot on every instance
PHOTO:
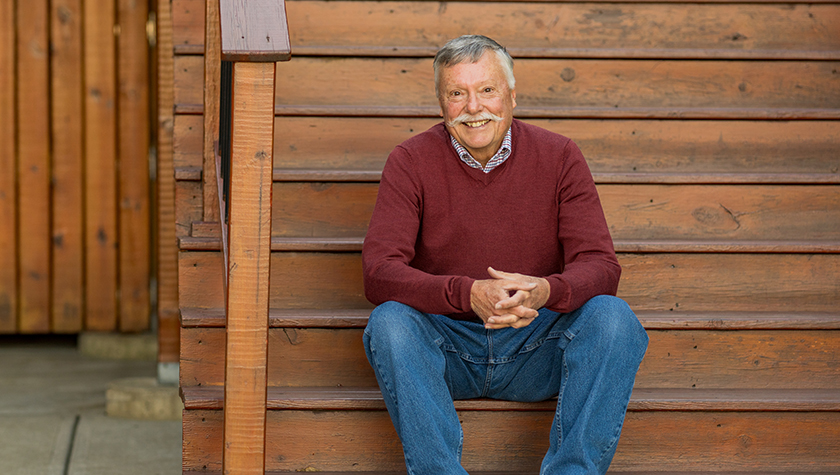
(470, 48)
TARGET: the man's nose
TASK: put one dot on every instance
(473, 104)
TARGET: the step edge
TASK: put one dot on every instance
(688, 400)
(651, 320)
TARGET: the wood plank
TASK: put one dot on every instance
(188, 207)
(187, 142)
(651, 320)
(68, 166)
(560, 29)
(662, 282)
(255, 31)
(592, 88)
(211, 101)
(686, 147)
(133, 130)
(654, 213)
(370, 398)
(188, 24)
(365, 440)
(611, 84)
(168, 331)
(101, 228)
(8, 171)
(676, 358)
(248, 272)
(34, 167)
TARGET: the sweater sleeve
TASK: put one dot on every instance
(590, 265)
(389, 247)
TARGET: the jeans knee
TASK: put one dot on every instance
(618, 324)
(392, 325)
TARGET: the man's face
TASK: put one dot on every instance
(470, 93)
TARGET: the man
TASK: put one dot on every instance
(494, 273)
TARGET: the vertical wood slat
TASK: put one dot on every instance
(134, 224)
(67, 161)
(100, 166)
(33, 146)
(250, 249)
(212, 80)
(167, 253)
(8, 161)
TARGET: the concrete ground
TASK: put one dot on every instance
(53, 420)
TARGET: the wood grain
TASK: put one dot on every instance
(563, 29)
(67, 119)
(686, 359)
(688, 147)
(256, 30)
(8, 172)
(134, 215)
(248, 271)
(34, 166)
(549, 88)
(101, 225)
(634, 211)
(212, 83)
(672, 281)
(168, 331)
(365, 440)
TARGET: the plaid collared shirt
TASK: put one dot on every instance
(501, 155)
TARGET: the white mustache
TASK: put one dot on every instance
(473, 118)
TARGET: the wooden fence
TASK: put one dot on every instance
(75, 247)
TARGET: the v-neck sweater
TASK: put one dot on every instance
(438, 224)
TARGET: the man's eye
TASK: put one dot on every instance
(488, 89)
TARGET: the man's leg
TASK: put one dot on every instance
(406, 350)
(588, 358)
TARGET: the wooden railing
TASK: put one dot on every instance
(254, 36)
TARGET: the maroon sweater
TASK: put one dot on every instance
(438, 224)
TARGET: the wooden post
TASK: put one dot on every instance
(8, 174)
(254, 34)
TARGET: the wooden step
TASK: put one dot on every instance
(777, 282)
(635, 212)
(756, 430)
(597, 88)
(370, 398)
(537, 29)
(687, 350)
(737, 151)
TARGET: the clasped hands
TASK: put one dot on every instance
(508, 299)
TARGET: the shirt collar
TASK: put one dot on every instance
(497, 159)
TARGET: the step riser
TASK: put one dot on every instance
(623, 146)
(675, 359)
(516, 441)
(409, 82)
(634, 211)
(672, 281)
(664, 26)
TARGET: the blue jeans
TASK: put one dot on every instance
(587, 359)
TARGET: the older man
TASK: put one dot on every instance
(494, 273)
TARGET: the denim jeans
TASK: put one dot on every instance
(587, 359)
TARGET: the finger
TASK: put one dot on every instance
(497, 274)
(514, 300)
(522, 323)
(505, 319)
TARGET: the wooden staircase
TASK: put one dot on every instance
(712, 132)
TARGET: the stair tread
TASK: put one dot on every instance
(652, 320)
(520, 473)
(344, 398)
(354, 244)
(374, 175)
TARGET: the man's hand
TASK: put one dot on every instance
(492, 301)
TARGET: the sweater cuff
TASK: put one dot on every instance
(464, 294)
(560, 295)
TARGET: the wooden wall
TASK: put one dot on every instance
(75, 246)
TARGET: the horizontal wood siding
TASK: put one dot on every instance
(68, 179)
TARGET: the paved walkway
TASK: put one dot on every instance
(52, 415)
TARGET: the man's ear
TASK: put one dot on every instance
(513, 97)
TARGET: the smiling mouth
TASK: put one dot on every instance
(477, 123)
